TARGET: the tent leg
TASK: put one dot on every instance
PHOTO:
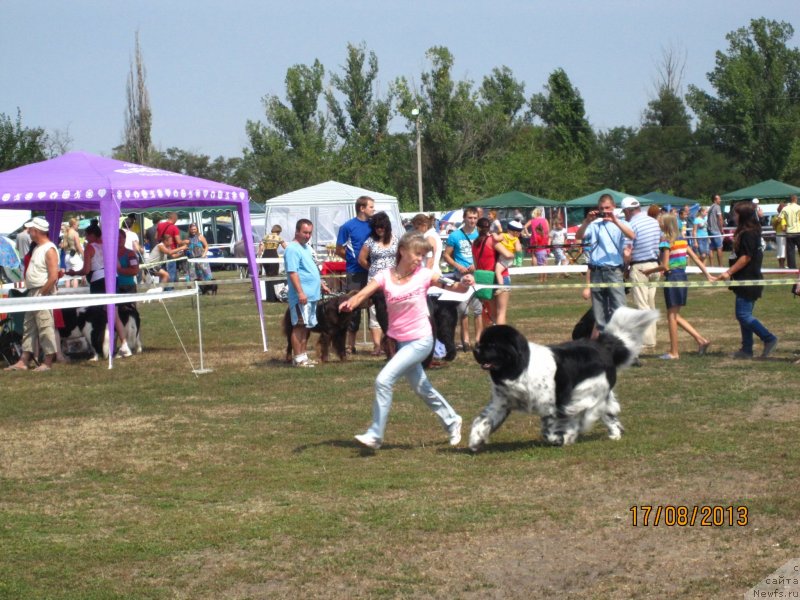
(202, 368)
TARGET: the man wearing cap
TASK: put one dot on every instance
(602, 234)
(41, 278)
(643, 258)
(791, 216)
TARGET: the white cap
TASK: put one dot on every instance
(38, 223)
(515, 226)
(629, 202)
(755, 200)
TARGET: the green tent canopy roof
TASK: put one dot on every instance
(661, 198)
(591, 199)
(514, 200)
(764, 190)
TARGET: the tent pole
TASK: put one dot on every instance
(202, 368)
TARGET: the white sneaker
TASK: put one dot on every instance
(368, 440)
(305, 364)
(124, 351)
(455, 432)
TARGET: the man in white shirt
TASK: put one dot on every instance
(41, 278)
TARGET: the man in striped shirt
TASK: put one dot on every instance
(643, 257)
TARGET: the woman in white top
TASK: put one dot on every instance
(425, 225)
(74, 251)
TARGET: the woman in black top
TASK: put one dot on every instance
(745, 265)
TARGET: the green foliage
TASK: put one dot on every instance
(562, 111)
(361, 121)
(20, 145)
(659, 155)
(753, 117)
(197, 165)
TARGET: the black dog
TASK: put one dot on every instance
(209, 288)
(443, 315)
(331, 326)
(85, 331)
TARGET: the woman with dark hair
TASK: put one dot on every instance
(745, 264)
(93, 269)
(378, 253)
(486, 254)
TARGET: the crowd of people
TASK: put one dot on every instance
(73, 261)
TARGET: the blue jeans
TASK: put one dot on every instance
(606, 300)
(172, 270)
(408, 362)
(750, 325)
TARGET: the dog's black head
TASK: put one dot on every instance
(503, 351)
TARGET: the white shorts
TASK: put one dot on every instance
(304, 314)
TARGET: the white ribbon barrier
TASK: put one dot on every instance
(24, 304)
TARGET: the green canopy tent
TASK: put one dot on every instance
(765, 190)
(667, 199)
(592, 199)
(515, 200)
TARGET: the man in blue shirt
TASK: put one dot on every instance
(349, 240)
(603, 234)
(305, 287)
(458, 254)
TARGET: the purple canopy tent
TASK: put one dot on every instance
(79, 181)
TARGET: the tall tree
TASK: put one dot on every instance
(361, 119)
(20, 145)
(659, 155)
(137, 145)
(293, 148)
(754, 116)
(447, 118)
(562, 111)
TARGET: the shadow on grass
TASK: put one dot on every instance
(352, 444)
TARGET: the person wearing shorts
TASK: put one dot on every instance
(305, 290)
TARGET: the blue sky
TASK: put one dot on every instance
(209, 63)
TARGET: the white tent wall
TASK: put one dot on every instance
(328, 206)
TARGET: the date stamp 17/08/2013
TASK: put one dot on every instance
(677, 515)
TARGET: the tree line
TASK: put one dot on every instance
(483, 139)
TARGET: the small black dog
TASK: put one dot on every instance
(210, 288)
(331, 326)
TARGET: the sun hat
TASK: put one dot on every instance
(38, 223)
(515, 226)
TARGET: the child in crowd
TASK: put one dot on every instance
(558, 241)
(510, 241)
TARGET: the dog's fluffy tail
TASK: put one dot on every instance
(627, 325)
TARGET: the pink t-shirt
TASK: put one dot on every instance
(407, 304)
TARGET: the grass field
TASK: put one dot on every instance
(150, 482)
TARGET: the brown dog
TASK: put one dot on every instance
(331, 326)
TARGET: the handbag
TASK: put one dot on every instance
(486, 278)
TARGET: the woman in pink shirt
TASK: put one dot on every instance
(406, 288)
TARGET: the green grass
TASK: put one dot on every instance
(149, 482)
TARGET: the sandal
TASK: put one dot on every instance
(16, 367)
(702, 348)
(376, 352)
(42, 368)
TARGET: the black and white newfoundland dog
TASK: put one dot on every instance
(570, 385)
(85, 332)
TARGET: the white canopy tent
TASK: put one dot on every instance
(327, 205)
